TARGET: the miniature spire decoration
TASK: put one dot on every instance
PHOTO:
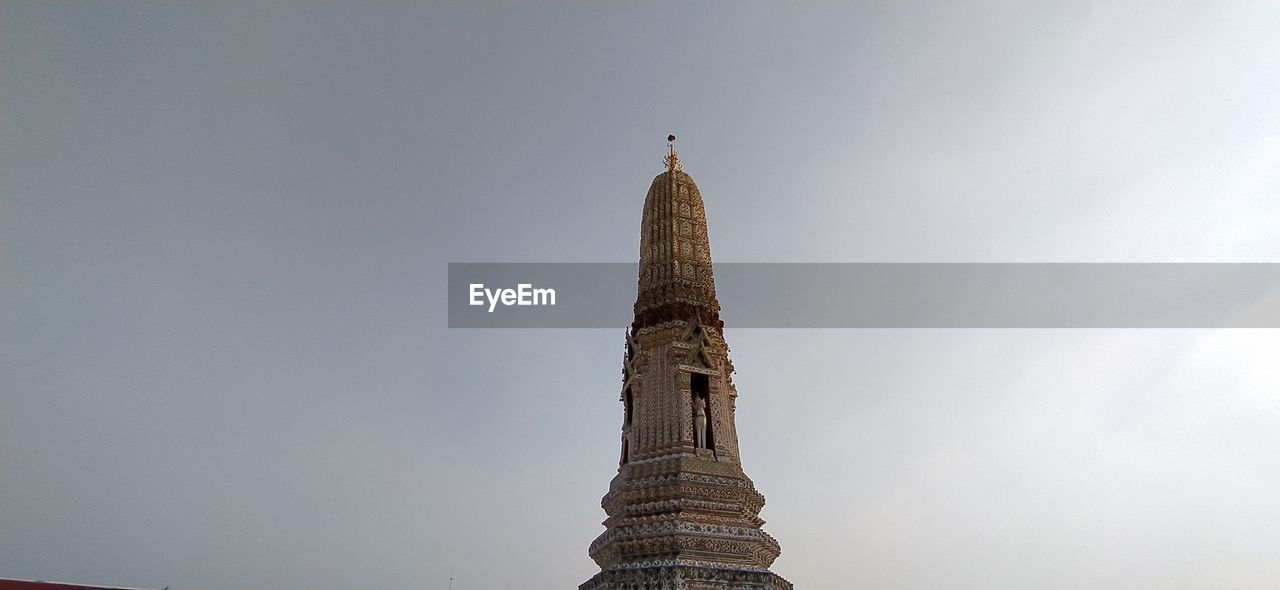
(672, 160)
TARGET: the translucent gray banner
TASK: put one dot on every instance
(890, 295)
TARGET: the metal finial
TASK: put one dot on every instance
(672, 160)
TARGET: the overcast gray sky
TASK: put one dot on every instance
(224, 229)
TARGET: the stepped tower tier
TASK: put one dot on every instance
(681, 513)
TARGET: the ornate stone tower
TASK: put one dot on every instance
(682, 515)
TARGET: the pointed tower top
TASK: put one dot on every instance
(675, 282)
(672, 160)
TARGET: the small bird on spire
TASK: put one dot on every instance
(672, 161)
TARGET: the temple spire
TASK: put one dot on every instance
(681, 513)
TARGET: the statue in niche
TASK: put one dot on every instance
(700, 422)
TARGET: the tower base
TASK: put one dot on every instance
(685, 577)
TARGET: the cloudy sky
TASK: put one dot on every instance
(224, 230)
